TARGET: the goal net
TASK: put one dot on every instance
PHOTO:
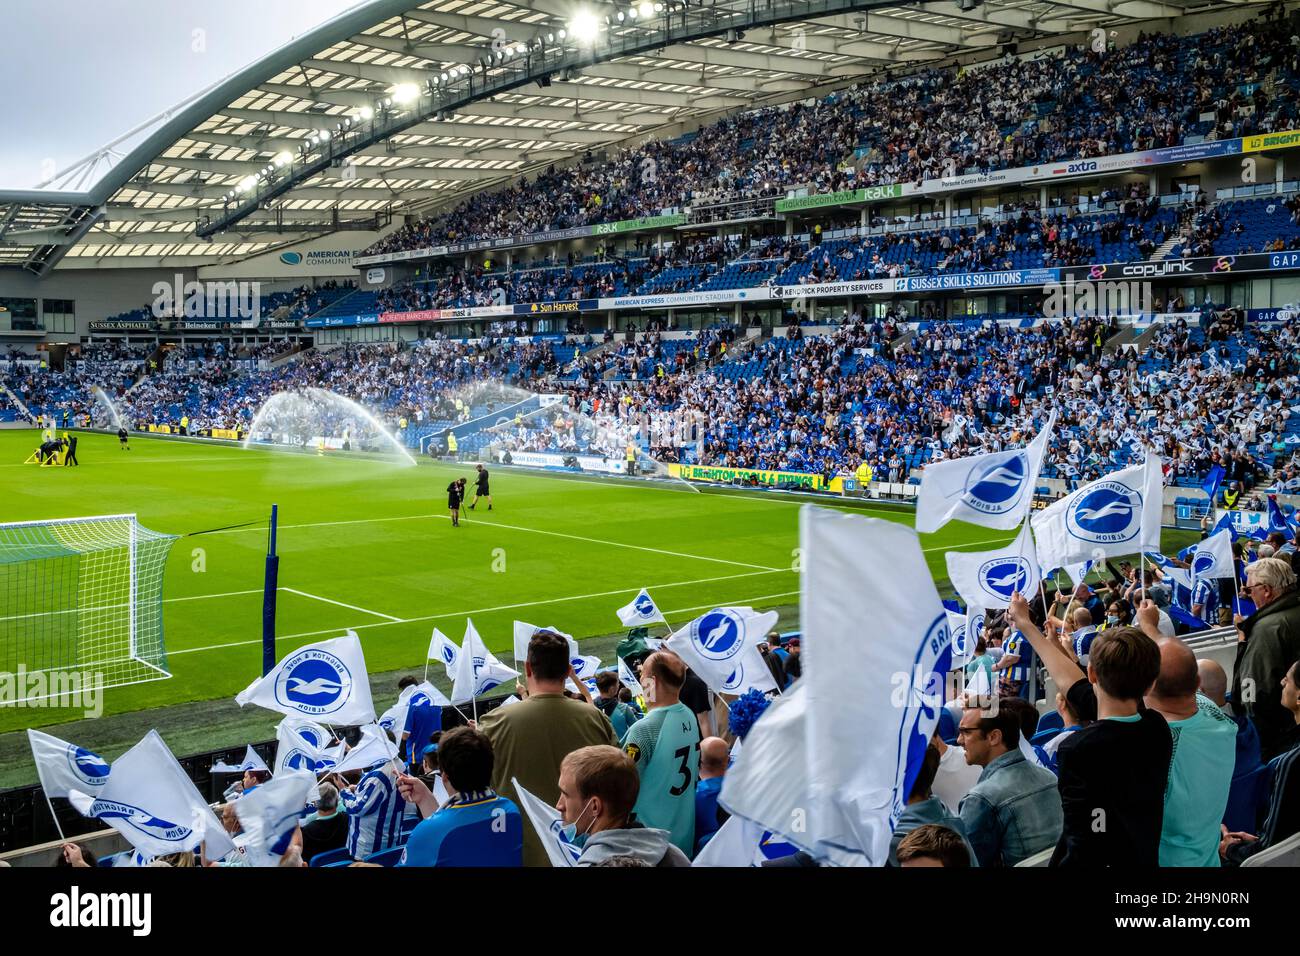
(81, 600)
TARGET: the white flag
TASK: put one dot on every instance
(549, 826)
(251, 761)
(523, 633)
(994, 490)
(151, 801)
(988, 578)
(64, 767)
(1115, 515)
(442, 648)
(1212, 558)
(270, 815)
(477, 671)
(722, 648)
(641, 611)
(808, 772)
(373, 747)
(974, 631)
(304, 745)
(326, 680)
(957, 626)
(741, 843)
(628, 679)
(586, 667)
(412, 695)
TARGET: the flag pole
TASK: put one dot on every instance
(53, 815)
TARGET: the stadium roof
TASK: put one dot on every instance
(256, 125)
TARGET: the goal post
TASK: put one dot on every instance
(83, 596)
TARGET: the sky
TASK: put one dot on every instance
(80, 73)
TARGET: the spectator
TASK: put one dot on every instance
(665, 749)
(1014, 810)
(934, 845)
(1249, 790)
(599, 786)
(714, 756)
(923, 808)
(475, 827)
(327, 828)
(621, 716)
(793, 667)
(374, 809)
(423, 720)
(532, 738)
(1269, 642)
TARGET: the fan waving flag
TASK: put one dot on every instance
(550, 829)
(1212, 558)
(270, 814)
(988, 578)
(251, 761)
(641, 611)
(325, 681)
(304, 745)
(1277, 521)
(64, 767)
(153, 803)
(523, 633)
(375, 746)
(1212, 481)
(477, 670)
(993, 490)
(808, 771)
(722, 648)
(1115, 515)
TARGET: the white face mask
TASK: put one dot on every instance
(648, 688)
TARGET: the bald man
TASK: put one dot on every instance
(1084, 632)
(1205, 751)
(1245, 795)
(714, 755)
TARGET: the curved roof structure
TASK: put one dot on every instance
(626, 82)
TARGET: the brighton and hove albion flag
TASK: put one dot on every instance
(1117, 514)
(808, 772)
(64, 767)
(394, 718)
(374, 747)
(304, 745)
(270, 814)
(477, 671)
(741, 843)
(153, 803)
(523, 633)
(550, 828)
(989, 578)
(641, 611)
(442, 648)
(722, 648)
(323, 681)
(1212, 558)
(993, 490)
(251, 761)
(629, 679)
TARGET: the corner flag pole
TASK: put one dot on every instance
(270, 588)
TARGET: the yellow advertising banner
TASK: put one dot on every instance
(714, 473)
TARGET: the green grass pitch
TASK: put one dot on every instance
(368, 545)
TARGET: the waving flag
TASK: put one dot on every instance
(1225, 524)
(251, 761)
(957, 627)
(325, 681)
(442, 648)
(152, 802)
(304, 745)
(989, 578)
(741, 843)
(1276, 519)
(375, 746)
(1212, 558)
(628, 679)
(523, 633)
(1212, 481)
(1117, 514)
(585, 667)
(641, 611)
(993, 490)
(64, 767)
(270, 814)
(394, 718)
(808, 773)
(549, 826)
(477, 671)
(722, 648)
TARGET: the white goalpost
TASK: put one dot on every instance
(82, 596)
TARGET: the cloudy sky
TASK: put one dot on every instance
(80, 73)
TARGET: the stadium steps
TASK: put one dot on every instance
(18, 403)
(1165, 247)
(903, 341)
(1123, 337)
(293, 355)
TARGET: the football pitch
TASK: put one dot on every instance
(368, 545)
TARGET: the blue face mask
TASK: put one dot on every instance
(570, 831)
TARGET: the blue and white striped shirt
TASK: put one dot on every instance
(375, 810)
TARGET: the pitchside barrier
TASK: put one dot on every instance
(26, 824)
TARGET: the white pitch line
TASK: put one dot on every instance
(489, 610)
(350, 607)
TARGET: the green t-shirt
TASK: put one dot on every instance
(665, 745)
(1200, 774)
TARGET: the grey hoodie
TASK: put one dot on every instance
(649, 846)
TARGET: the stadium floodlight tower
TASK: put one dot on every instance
(81, 604)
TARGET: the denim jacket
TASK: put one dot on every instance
(1013, 812)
